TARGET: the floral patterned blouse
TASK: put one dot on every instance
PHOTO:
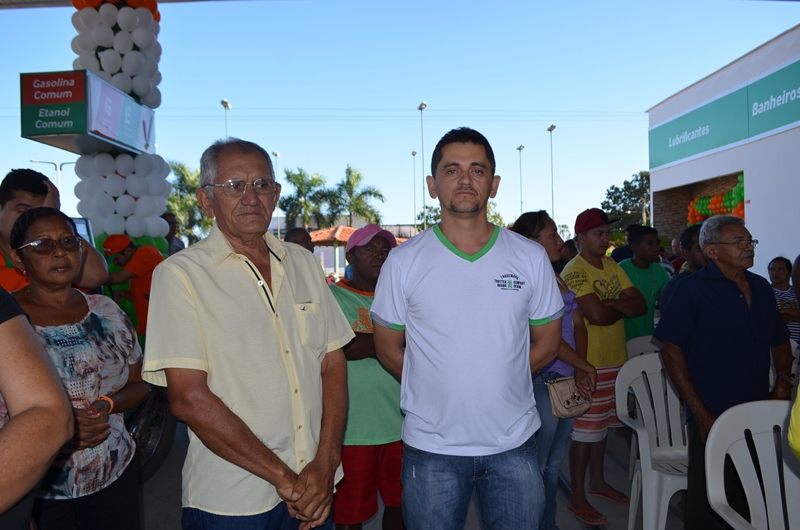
(92, 357)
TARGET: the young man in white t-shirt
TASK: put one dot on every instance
(462, 314)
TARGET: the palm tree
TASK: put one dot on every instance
(308, 200)
(192, 222)
(350, 199)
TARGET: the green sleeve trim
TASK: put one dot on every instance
(398, 327)
(540, 322)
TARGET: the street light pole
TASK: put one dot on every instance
(58, 169)
(414, 169)
(275, 178)
(422, 137)
(520, 148)
(227, 106)
(552, 187)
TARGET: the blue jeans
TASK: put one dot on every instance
(437, 489)
(552, 440)
(276, 519)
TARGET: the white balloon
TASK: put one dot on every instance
(89, 62)
(156, 79)
(114, 224)
(145, 206)
(115, 185)
(108, 14)
(153, 225)
(167, 190)
(136, 185)
(85, 208)
(127, 18)
(76, 64)
(145, 17)
(74, 45)
(95, 185)
(77, 23)
(125, 205)
(160, 205)
(141, 85)
(98, 224)
(89, 17)
(80, 191)
(166, 170)
(123, 82)
(110, 60)
(143, 37)
(104, 204)
(143, 164)
(155, 27)
(153, 52)
(103, 35)
(105, 76)
(123, 42)
(135, 226)
(84, 167)
(123, 163)
(85, 43)
(153, 98)
(150, 67)
(158, 164)
(104, 164)
(155, 185)
(132, 63)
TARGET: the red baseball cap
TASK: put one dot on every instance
(591, 218)
(362, 236)
(115, 243)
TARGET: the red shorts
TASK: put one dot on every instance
(368, 469)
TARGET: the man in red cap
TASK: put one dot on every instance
(372, 453)
(605, 295)
(137, 265)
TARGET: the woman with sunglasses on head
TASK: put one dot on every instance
(553, 436)
(93, 482)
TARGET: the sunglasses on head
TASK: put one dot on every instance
(47, 245)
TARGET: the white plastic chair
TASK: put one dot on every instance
(754, 435)
(661, 434)
(639, 346)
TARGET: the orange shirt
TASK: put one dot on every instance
(142, 264)
(11, 279)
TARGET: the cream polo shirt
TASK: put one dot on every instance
(262, 349)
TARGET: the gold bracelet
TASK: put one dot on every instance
(109, 401)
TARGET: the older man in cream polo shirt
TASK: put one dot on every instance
(247, 337)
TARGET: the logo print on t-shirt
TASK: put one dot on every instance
(509, 282)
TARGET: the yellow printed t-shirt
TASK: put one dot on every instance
(606, 343)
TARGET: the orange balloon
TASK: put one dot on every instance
(157, 15)
(150, 4)
(78, 4)
(93, 3)
(134, 3)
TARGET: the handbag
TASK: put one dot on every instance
(565, 400)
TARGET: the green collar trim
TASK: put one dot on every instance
(463, 255)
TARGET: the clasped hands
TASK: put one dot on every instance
(309, 494)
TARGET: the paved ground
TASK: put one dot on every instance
(162, 511)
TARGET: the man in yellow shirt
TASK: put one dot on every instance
(246, 335)
(605, 295)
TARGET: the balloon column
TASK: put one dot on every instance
(701, 208)
(118, 41)
(124, 194)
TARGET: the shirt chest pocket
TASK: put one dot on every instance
(311, 326)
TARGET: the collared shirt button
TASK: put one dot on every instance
(286, 352)
(302, 462)
(296, 391)
(299, 427)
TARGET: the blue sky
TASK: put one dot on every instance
(332, 83)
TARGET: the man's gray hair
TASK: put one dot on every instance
(209, 162)
(712, 228)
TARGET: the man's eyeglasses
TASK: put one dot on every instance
(47, 245)
(238, 187)
(742, 243)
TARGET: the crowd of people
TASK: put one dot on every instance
(422, 379)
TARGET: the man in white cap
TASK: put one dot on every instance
(372, 453)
